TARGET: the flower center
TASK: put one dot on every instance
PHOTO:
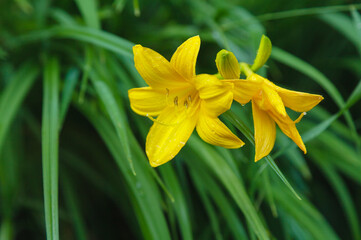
(181, 97)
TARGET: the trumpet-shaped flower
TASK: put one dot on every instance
(181, 101)
(268, 106)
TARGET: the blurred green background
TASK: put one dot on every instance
(68, 138)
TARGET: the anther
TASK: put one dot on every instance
(176, 101)
(167, 91)
(189, 98)
(186, 104)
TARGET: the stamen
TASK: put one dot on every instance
(300, 117)
(167, 96)
(176, 101)
(189, 98)
(186, 103)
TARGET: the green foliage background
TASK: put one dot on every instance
(70, 145)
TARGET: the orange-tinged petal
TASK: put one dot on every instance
(168, 135)
(185, 57)
(147, 101)
(298, 101)
(264, 132)
(155, 69)
(214, 132)
(288, 127)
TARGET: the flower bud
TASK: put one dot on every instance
(263, 53)
(228, 65)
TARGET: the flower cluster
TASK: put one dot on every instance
(182, 101)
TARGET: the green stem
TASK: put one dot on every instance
(245, 68)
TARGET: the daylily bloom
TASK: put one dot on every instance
(268, 106)
(181, 100)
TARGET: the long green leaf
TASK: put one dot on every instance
(233, 184)
(89, 10)
(13, 95)
(50, 145)
(73, 208)
(146, 201)
(85, 34)
(237, 122)
(344, 197)
(179, 204)
(116, 115)
(345, 26)
(213, 189)
(67, 93)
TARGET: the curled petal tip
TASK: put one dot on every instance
(256, 159)
(137, 48)
(154, 164)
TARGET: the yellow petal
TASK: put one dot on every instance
(216, 95)
(155, 69)
(147, 101)
(244, 90)
(184, 59)
(228, 65)
(214, 132)
(288, 127)
(264, 132)
(272, 101)
(168, 135)
(298, 101)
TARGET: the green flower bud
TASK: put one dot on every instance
(264, 51)
(228, 65)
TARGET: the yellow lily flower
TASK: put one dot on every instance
(268, 106)
(181, 100)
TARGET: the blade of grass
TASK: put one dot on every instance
(230, 181)
(10, 181)
(50, 144)
(357, 24)
(13, 95)
(136, 8)
(238, 123)
(344, 197)
(89, 10)
(69, 86)
(73, 208)
(86, 70)
(213, 218)
(6, 230)
(305, 214)
(146, 200)
(99, 38)
(179, 204)
(116, 115)
(345, 26)
(292, 13)
(220, 199)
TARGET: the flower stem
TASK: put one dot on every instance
(245, 68)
